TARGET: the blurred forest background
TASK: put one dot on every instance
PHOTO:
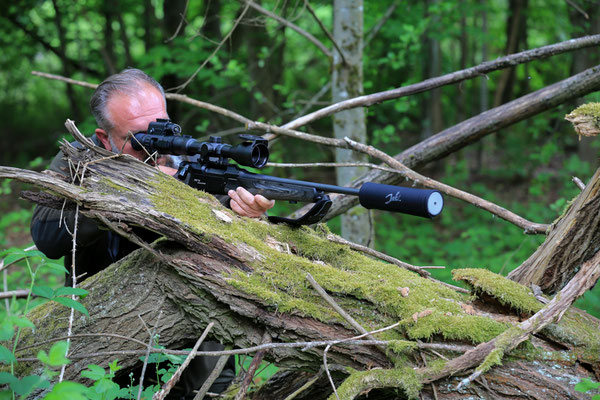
(258, 67)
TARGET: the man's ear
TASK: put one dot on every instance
(103, 136)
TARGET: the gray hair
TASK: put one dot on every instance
(129, 82)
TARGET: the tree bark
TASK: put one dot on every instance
(347, 83)
(572, 240)
(248, 277)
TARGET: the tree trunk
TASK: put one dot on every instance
(67, 68)
(347, 82)
(249, 278)
(516, 34)
(586, 19)
(572, 240)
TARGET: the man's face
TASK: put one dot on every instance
(132, 114)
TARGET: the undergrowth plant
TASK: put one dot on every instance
(31, 269)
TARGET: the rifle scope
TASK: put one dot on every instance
(163, 137)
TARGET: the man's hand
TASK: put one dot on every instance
(167, 170)
(248, 205)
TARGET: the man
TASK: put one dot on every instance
(124, 102)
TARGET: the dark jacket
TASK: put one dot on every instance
(97, 247)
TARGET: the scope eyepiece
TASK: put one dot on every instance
(163, 127)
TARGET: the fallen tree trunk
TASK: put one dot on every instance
(572, 240)
(248, 277)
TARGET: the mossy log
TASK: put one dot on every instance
(573, 239)
(249, 278)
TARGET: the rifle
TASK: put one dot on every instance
(213, 173)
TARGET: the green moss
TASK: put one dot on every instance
(509, 293)
(494, 358)
(359, 381)
(366, 288)
(588, 109)
(401, 346)
(111, 184)
(579, 331)
(473, 328)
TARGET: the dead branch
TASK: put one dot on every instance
(290, 25)
(325, 31)
(467, 132)
(505, 342)
(455, 77)
(528, 226)
(225, 39)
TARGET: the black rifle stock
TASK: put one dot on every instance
(214, 174)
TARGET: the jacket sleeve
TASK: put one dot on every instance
(51, 229)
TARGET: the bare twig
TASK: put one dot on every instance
(66, 80)
(421, 270)
(434, 389)
(326, 368)
(578, 182)
(455, 77)
(381, 256)
(332, 165)
(528, 226)
(308, 384)
(148, 350)
(335, 306)
(367, 100)
(375, 30)
(212, 377)
(579, 9)
(292, 26)
(73, 272)
(302, 345)
(256, 360)
(164, 391)
(187, 3)
(225, 39)
(17, 294)
(325, 31)
(585, 278)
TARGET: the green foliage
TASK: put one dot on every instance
(14, 320)
(587, 385)
(269, 73)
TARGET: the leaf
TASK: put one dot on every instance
(57, 354)
(7, 330)
(108, 388)
(94, 372)
(28, 384)
(7, 377)
(13, 257)
(43, 291)
(66, 301)
(585, 385)
(56, 267)
(43, 357)
(65, 290)
(6, 355)
(67, 390)
(113, 367)
(22, 322)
